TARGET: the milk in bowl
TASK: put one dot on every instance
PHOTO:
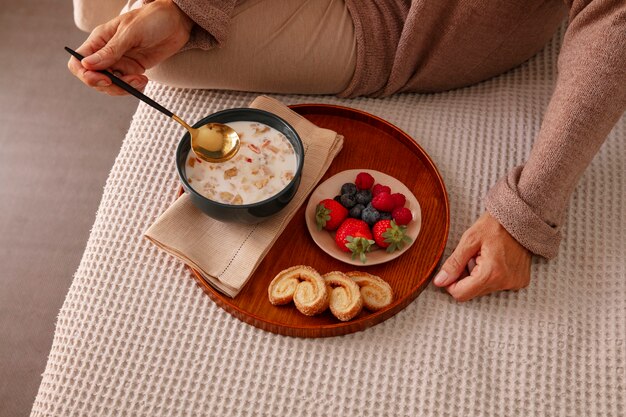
(265, 164)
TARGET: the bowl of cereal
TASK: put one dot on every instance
(257, 182)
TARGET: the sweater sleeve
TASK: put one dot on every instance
(589, 98)
(212, 20)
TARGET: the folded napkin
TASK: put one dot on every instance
(226, 254)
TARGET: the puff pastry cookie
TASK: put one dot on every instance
(376, 292)
(302, 284)
(346, 301)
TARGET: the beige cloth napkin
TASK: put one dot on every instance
(228, 253)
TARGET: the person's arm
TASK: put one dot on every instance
(531, 201)
(140, 39)
(589, 98)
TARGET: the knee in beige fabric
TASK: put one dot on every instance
(305, 47)
(90, 13)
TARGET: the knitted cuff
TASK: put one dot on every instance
(211, 28)
(505, 204)
(201, 37)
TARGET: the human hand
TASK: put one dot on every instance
(131, 43)
(487, 259)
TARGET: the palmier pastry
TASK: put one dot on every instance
(376, 292)
(302, 284)
(345, 298)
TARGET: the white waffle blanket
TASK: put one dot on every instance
(137, 337)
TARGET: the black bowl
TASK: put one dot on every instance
(245, 213)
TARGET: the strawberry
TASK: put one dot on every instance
(354, 236)
(389, 235)
(329, 214)
(379, 188)
(364, 181)
(402, 215)
(383, 202)
(398, 199)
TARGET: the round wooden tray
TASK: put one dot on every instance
(372, 143)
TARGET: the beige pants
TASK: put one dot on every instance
(273, 46)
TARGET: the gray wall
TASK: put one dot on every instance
(58, 140)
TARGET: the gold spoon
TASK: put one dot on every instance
(212, 142)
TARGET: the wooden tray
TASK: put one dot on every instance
(369, 142)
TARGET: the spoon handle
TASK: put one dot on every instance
(124, 86)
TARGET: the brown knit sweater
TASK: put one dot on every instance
(437, 45)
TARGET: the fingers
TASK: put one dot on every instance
(102, 83)
(466, 289)
(108, 56)
(476, 284)
(90, 78)
(96, 40)
(94, 79)
(451, 271)
(106, 45)
(137, 81)
(487, 259)
(471, 264)
(487, 276)
(127, 66)
(498, 267)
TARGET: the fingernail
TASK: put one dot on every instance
(103, 83)
(471, 265)
(136, 83)
(92, 59)
(441, 278)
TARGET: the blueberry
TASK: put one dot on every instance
(363, 197)
(355, 211)
(385, 215)
(348, 188)
(337, 198)
(370, 215)
(347, 200)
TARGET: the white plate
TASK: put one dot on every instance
(332, 187)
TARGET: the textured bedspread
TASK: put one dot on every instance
(136, 336)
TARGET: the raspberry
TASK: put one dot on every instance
(402, 215)
(383, 202)
(379, 188)
(364, 181)
(398, 199)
